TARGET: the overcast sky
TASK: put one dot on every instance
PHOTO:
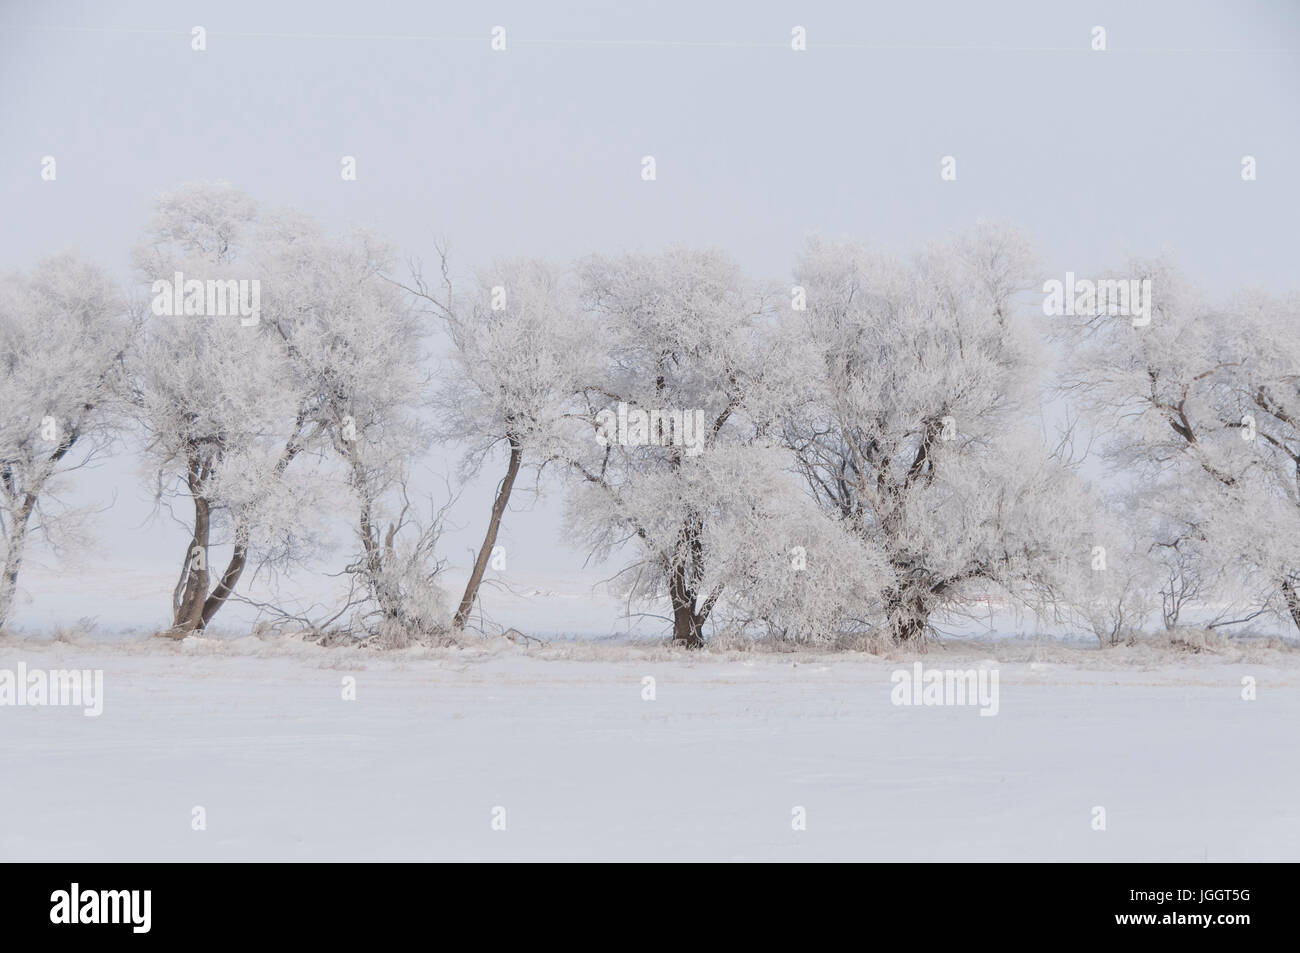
(537, 150)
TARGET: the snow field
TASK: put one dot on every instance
(258, 734)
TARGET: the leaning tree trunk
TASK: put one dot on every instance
(489, 540)
(226, 585)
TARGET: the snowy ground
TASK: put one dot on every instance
(257, 733)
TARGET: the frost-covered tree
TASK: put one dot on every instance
(1200, 409)
(214, 396)
(520, 352)
(919, 433)
(354, 356)
(64, 335)
(670, 462)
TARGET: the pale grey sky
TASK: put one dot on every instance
(536, 150)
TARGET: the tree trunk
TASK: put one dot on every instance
(386, 595)
(14, 557)
(908, 629)
(688, 624)
(687, 627)
(489, 541)
(189, 614)
(18, 532)
(1292, 601)
(193, 606)
(908, 617)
